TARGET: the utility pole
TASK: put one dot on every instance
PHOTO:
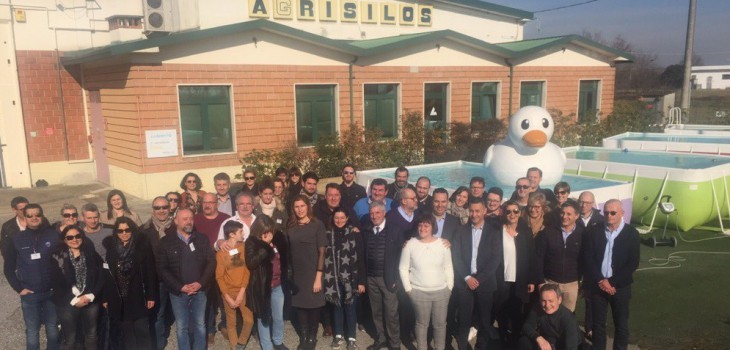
(689, 47)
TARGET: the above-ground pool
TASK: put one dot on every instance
(451, 175)
(697, 129)
(714, 144)
(697, 184)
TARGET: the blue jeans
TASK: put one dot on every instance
(275, 331)
(160, 325)
(38, 308)
(189, 313)
(345, 318)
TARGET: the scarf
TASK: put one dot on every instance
(340, 266)
(161, 226)
(79, 265)
(459, 212)
(268, 209)
(124, 266)
(313, 199)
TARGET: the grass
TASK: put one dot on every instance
(705, 104)
(684, 307)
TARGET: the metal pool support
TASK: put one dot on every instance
(633, 183)
(653, 217)
(719, 211)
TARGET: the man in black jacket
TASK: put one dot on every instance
(476, 257)
(559, 254)
(589, 217)
(15, 224)
(552, 326)
(186, 265)
(351, 192)
(611, 257)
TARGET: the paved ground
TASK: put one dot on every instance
(12, 331)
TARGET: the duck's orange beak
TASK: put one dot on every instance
(535, 138)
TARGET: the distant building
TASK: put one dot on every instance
(137, 93)
(711, 77)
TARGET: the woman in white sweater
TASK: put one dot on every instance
(428, 277)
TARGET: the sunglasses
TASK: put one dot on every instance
(76, 236)
(562, 192)
(250, 178)
(174, 200)
(513, 211)
(160, 207)
(522, 187)
(611, 213)
(124, 230)
(348, 172)
(70, 215)
(34, 216)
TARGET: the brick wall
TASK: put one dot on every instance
(43, 112)
(138, 98)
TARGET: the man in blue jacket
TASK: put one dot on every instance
(28, 268)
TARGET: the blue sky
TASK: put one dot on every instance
(652, 26)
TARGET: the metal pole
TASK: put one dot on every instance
(689, 46)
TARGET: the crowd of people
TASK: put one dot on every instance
(410, 263)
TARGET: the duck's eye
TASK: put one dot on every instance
(545, 123)
(525, 124)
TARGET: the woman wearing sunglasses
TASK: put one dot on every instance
(295, 184)
(174, 199)
(133, 288)
(78, 282)
(69, 217)
(537, 214)
(192, 196)
(516, 276)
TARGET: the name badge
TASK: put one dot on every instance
(233, 251)
(105, 266)
(192, 247)
(276, 251)
(278, 221)
(35, 256)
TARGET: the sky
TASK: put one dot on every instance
(652, 26)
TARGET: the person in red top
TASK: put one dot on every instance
(208, 222)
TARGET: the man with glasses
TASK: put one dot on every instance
(494, 202)
(249, 182)
(15, 224)
(522, 192)
(28, 268)
(611, 257)
(534, 177)
(351, 192)
(244, 215)
(589, 217)
(477, 187)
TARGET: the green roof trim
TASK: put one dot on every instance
(529, 47)
(387, 44)
(493, 8)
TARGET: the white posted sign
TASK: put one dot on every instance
(161, 143)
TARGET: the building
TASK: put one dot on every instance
(710, 77)
(137, 93)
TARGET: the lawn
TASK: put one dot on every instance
(686, 306)
(705, 105)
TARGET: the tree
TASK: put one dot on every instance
(673, 76)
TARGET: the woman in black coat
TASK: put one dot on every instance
(133, 288)
(78, 282)
(265, 259)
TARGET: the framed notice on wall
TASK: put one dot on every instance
(161, 143)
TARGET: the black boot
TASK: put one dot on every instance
(312, 341)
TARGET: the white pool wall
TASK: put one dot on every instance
(619, 142)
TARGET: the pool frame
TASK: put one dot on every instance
(617, 141)
(621, 191)
(691, 189)
(697, 129)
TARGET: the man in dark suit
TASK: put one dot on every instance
(476, 257)
(611, 257)
(425, 201)
(351, 192)
(15, 224)
(589, 217)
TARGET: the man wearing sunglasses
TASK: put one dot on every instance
(28, 268)
(534, 177)
(15, 224)
(611, 257)
(351, 192)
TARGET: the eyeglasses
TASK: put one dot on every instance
(348, 172)
(536, 207)
(70, 215)
(611, 213)
(174, 200)
(562, 192)
(160, 207)
(522, 187)
(250, 178)
(513, 211)
(30, 216)
(124, 230)
(76, 236)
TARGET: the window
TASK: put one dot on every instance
(531, 93)
(205, 119)
(726, 77)
(435, 105)
(484, 101)
(381, 108)
(315, 113)
(588, 101)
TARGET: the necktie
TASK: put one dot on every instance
(377, 230)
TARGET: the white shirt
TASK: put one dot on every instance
(510, 256)
(22, 227)
(379, 228)
(566, 234)
(246, 228)
(476, 237)
(586, 220)
(606, 266)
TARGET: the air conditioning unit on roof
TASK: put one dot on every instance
(170, 15)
